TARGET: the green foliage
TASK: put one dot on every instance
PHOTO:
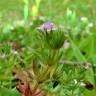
(23, 46)
(9, 92)
(55, 39)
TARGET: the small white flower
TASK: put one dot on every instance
(75, 81)
(90, 25)
(84, 18)
(14, 52)
(2, 56)
(11, 27)
(82, 84)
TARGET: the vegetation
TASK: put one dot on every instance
(47, 48)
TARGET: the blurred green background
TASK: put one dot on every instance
(53, 9)
(62, 12)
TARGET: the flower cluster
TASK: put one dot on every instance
(53, 35)
(46, 27)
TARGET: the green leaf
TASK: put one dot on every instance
(89, 93)
(9, 92)
(77, 53)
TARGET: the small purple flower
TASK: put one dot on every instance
(46, 27)
(66, 44)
